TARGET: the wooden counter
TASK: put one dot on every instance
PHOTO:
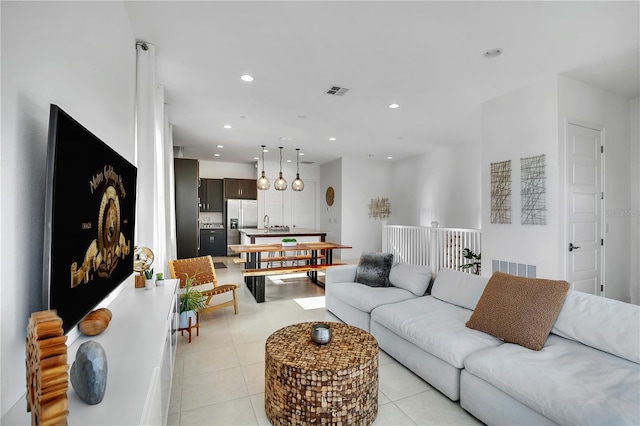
(262, 235)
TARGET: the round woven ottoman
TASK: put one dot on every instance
(332, 384)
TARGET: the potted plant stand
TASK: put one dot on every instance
(191, 303)
(188, 321)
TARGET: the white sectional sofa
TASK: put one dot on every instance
(588, 371)
(353, 302)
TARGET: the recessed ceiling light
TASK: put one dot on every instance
(285, 138)
(265, 150)
(227, 126)
(301, 153)
(389, 158)
(246, 77)
(288, 161)
(332, 139)
(216, 155)
(219, 146)
(256, 158)
(492, 53)
(394, 106)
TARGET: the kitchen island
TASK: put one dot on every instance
(276, 234)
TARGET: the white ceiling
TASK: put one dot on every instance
(426, 56)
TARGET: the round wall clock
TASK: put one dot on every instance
(330, 196)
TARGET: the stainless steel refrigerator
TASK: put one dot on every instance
(240, 214)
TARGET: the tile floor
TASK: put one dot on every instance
(219, 376)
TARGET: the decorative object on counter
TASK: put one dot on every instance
(47, 369)
(476, 260)
(297, 184)
(159, 279)
(148, 277)
(263, 182)
(95, 322)
(289, 242)
(280, 183)
(142, 261)
(379, 208)
(89, 372)
(321, 333)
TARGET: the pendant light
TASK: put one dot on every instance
(297, 184)
(281, 183)
(263, 183)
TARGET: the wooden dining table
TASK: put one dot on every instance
(319, 258)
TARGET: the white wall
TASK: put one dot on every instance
(442, 185)
(221, 170)
(80, 56)
(595, 106)
(634, 160)
(531, 121)
(331, 217)
(362, 180)
(521, 124)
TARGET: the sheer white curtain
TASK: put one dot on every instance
(154, 160)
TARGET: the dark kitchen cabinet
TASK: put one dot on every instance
(242, 189)
(211, 195)
(186, 186)
(213, 242)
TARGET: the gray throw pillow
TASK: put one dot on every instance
(412, 278)
(373, 269)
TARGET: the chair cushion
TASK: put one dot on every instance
(413, 278)
(460, 288)
(434, 326)
(566, 381)
(365, 298)
(609, 325)
(518, 309)
(373, 269)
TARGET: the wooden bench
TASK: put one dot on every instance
(239, 260)
(280, 270)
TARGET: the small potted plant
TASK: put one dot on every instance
(476, 261)
(191, 302)
(159, 279)
(148, 275)
(289, 242)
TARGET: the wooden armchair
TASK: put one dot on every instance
(205, 281)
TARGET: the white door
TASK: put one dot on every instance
(304, 206)
(584, 209)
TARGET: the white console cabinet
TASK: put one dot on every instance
(140, 344)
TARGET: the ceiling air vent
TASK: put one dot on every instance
(307, 162)
(337, 91)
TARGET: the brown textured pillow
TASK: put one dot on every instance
(519, 310)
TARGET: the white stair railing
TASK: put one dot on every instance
(436, 247)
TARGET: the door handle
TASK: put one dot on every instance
(572, 247)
